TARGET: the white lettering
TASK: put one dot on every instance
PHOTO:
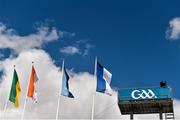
(143, 94)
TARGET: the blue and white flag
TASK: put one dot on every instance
(103, 79)
(65, 85)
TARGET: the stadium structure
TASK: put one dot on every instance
(147, 100)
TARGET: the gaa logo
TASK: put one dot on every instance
(143, 94)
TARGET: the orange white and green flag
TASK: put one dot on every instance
(15, 90)
(32, 92)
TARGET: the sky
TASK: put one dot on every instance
(137, 41)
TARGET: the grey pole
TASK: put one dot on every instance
(131, 116)
(160, 115)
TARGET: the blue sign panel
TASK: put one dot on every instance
(144, 93)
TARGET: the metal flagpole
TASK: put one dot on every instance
(57, 111)
(92, 113)
(6, 104)
(93, 101)
(5, 107)
(24, 107)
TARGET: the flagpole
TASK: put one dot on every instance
(5, 107)
(7, 99)
(93, 101)
(24, 106)
(57, 111)
(92, 113)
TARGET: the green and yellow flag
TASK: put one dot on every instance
(15, 90)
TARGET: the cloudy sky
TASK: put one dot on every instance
(137, 41)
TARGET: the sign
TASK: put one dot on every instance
(145, 93)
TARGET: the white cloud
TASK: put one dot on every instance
(82, 85)
(177, 108)
(77, 49)
(67, 34)
(70, 50)
(10, 39)
(173, 31)
(48, 82)
(88, 47)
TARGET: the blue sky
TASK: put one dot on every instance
(129, 37)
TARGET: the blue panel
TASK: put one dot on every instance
(145, 93)
(101, 85)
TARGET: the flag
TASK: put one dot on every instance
(103, 79)
(32, 92)
(15, 90)
(65, 85)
